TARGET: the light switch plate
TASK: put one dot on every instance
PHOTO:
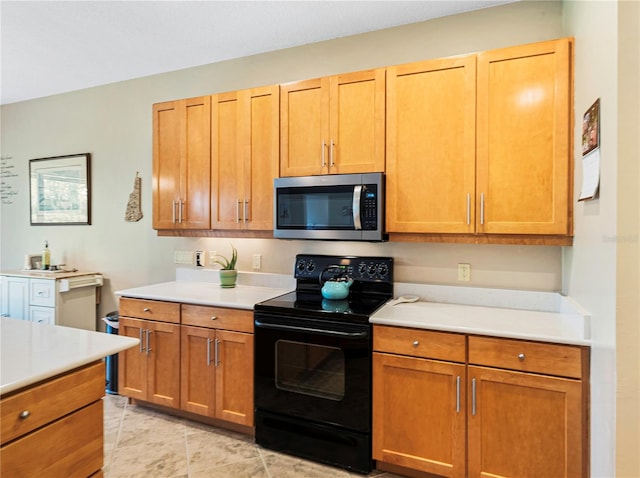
(464, 272)
(183, 257)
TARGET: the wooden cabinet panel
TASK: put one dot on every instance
(150, 309)
(234, 377)
(418, 414)
(132, 363)
(431, 146)
(181, 164)
(197, 370)
(217, 317)
(420, 343)
(333, 124)
(524, 183)
(549, 359)
(525, 425)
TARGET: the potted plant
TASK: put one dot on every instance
(228, 273)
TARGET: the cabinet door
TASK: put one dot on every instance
(418, 414)
(524, 139)
(524, 425)
(197, 370)
(431, 146)
(304, 127)
(261, 164)
(226, 165)
(234, 377)
(15, 297)
(163, 367)
(132, 363)
(181, 164)
(357, 122)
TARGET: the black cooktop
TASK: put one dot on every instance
(372, 287)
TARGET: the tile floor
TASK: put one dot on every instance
(142, 443)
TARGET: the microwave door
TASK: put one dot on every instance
(357, 194)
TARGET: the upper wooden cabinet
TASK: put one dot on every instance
(431, 146)
(524, 139)
(181, 164)
(333, 125)
(503, 169)
(244, 158)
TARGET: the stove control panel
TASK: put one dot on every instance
(363, 269)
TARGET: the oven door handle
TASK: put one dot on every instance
(332, 333)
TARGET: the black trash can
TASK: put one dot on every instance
(112, 360)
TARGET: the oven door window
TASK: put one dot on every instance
(310, 369)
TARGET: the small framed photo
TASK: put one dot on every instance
(60, 190)
(591, 128)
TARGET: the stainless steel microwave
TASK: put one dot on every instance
(340, 207)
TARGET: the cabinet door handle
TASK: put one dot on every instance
(324, 161)
(148, 334)
(521, 357)
(246, 210)
(146, 309)
(238, 211)
(332, 147)
(173, 212)
(141, 342)
(473, 397)
(481, 208)
(416, 343)
(180, 208)
(216, 356)
(209, 352)
(24, 414)
(213, 317)
(468, 209)
(458, 394)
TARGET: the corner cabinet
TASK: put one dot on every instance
(333, 124)
(244, 158)
(182, 164)
(491, 133)
(469, 406)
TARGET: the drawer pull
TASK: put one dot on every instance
(416, 343)
(521, 357)
(213, 317)
(24, 414)
(146, 309)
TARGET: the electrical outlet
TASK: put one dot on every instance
(212, 258)
(199, 258)
(257, 262)
(183, 257)
(464, 272)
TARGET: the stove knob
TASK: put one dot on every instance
(372, 269)
(301, 265)
(362, 268)
(383, 270)
(311, 266)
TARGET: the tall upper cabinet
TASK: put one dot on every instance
(333, 124)
(181, 164)
(244, 158)
(480, 145)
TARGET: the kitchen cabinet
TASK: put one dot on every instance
(431, 146)
(501, 172)
(151, 372)
(67, 299)
(333, 124)
(418, 400)
(244, 158)
(217, 363)
(456, 405)
(55, 428)
(182, 164)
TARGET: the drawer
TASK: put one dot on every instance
(50, 400)
(419, 343)
(150, 309)
(217, 318)
(69, 447)
(42, 292)
(550, 359)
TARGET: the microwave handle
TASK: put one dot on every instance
(357, 194)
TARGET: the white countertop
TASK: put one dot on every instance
(38, 274)
(204, 293)
(31, 352)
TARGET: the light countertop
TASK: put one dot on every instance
(31, 352)
(38, 274)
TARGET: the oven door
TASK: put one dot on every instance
(314, 370)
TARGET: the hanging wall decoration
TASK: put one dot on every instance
(134, 211)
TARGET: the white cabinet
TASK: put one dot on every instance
(67, 299)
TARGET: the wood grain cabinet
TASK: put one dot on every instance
(481, 145)
(151, 372)
(244, 158)
(182, 164)
(55, 428)
(333, 124)
(495, 407)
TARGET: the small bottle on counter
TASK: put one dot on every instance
(46, 256)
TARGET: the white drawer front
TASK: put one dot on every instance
(42, 315)
(42, 292)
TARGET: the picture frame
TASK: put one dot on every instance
(60, 190)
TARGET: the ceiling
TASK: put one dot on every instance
(51, 47)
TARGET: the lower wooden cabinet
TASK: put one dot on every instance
(55, 428)
(508, 408)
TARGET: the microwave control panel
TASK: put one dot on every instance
(369, 208)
